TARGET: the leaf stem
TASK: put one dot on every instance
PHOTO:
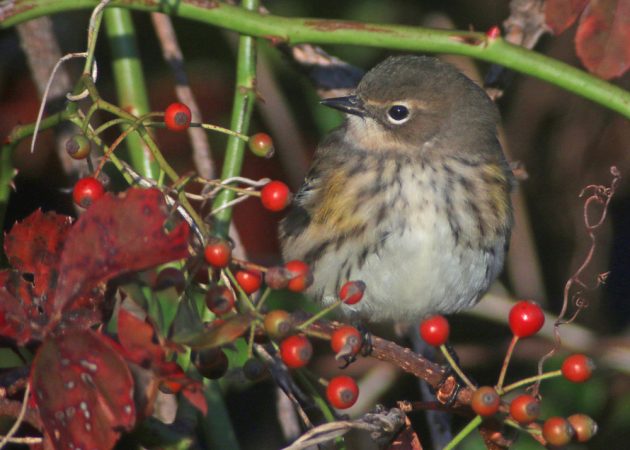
(319, 31)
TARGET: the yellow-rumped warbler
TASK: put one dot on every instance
(409, 195)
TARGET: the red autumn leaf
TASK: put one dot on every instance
(603, 38)
(118, 234)
(34, 246)
(138, 340)
(175, 380)
(194, 393)
(14, 321)
(139, 345)
(84, 391)
(560, 14)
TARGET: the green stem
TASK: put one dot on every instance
(243, 106)
(463, 433)
(319, 315)
(318, 31)
(506, 362)
(456, 367)
(130, 85)
(208, 126)
(526, 381)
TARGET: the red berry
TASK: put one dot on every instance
(249, 280)
(177, 117)
(578, 368)
(435, 330)
(300, 276)
(526, 318)
(585, 427)
(277, 277)
(485, 401)
(278, 323)
(210, 363)
(218, 253)
(352, 292)
(78, 146)
(346, 336)
(275, 196)
(525, 409)
(220, 300)
(493, 32)
(296, 351)
(86, 191)
(342, 392)
(557, 431)
(261, 145)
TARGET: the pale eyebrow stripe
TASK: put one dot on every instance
(418, 104)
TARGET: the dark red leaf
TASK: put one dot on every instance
(118, 234)
(138, 340)
(560, 14)
(603, 38)
(84, 391)
(195, 395)
(14, 322)
(34, 246)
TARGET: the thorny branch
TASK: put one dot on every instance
(575, 287)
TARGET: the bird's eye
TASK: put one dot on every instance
(398, 114)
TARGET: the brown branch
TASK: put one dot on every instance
(410, 362)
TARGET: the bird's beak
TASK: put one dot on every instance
(350, 104)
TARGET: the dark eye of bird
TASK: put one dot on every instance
(398, 113)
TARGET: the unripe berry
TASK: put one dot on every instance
(277, 323)
(220, 300)
(261, 145)
(557, 431)
(78, 147)
(584, 426)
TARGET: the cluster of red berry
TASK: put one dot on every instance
(526, 318)
(274, 196)
(295, 348)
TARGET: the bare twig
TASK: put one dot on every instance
(19, 419)
(382, 425)
(575, 287)
(173, 55)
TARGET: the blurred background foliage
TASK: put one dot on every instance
(563, 141)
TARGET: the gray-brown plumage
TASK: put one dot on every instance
(409, 195)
